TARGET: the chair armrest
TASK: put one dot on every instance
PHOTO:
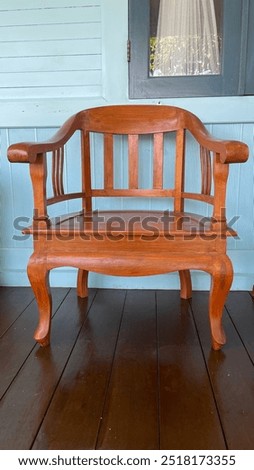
(230, 151)
(26, 152)
(235, 152)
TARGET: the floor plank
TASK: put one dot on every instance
(22, 409)
(240, 307)
(232, 376)
(188, 413)
(134, 372)
(18, 342)
(74, 416)
(130, 419)
(13, 301)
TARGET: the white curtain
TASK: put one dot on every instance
(187, 39)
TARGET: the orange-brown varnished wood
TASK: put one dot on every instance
(82, 283)
(222, 277)
(133, 192)
(221, 172)
(38, 173)
(133, 161)
(86, 171)
(38, 274)
(132, 119)
(158, 161)
(186, 285)
(179, 171)
(206, 171)
(132, 243)
(57, 172)
(108, 162)
(149, 224)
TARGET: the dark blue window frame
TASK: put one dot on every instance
(237, 67)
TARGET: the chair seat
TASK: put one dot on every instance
(138, 152)
(131, 222)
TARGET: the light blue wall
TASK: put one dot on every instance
(35, 116)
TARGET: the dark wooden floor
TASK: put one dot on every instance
(126, 370)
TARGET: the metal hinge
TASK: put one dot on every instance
(128, 50)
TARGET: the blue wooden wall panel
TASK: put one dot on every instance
(34, 113)
(16, 201)
(50, 50)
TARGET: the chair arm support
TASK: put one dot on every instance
(230, 151)
(26, 152)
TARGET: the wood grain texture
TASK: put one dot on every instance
(68, 395)
(185, 284)
(108, 162)
(206, 171)
(158, 161)
(82, 284)
(31, 391)
(74, 416)
(133, 161)
(188, 414)
(20, 333)
(179, 170)
(12, 303)
(57, 172)
(132, 401)
(231, 373)
(92, 248)
(240, 308)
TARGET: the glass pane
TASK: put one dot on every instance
(185, 37)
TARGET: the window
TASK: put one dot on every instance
(193, 48)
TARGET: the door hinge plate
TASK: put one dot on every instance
(128, 50)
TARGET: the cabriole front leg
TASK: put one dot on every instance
(39, 278)
(82, 283)
(222, 277)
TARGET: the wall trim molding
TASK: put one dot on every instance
(54, 112)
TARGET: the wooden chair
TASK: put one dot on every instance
(134, 242)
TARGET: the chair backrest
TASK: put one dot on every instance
(135, 121)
